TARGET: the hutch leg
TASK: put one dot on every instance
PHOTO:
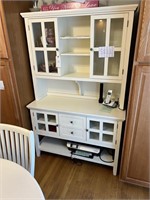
(117, 148)
(38, 152)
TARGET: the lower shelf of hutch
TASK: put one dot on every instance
(59, 146)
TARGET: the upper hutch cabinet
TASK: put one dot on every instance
(85, 46)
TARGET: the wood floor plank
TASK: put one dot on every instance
(62, 178)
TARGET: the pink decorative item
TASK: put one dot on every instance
(70, 5)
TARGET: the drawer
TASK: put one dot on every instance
(72, 121)
(70, 133)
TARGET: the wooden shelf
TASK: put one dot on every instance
(84, 77)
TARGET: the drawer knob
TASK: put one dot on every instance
(71, 122)
(72, 132)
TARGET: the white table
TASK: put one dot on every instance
(17, 183)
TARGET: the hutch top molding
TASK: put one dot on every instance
(74, 12)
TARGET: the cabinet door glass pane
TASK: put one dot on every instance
(40, 61)
(37, 34)
(41, 127)
(98, 68)
(116, 29)
(52, 61)
(94, 125)
(52, 128)
(114, 64)
(108, 127)
(40, 117)
(94, 136)
(99, 32)
(107, 138)
(50, 34)
(51, 118)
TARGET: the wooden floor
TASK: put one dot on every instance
(63, 178)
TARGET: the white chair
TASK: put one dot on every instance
(17, 144)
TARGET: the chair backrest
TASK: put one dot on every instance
(17, 144)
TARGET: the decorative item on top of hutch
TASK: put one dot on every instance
(67, 74)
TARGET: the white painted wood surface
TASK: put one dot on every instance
(78, 106)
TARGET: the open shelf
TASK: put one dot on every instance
(74, 37)
(96, 159)
(58, 146)
(75, 54)
(53, 145)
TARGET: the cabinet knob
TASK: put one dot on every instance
(72, 132)
(91, 49)
(71, 122)
(86, 130)
(57, 49)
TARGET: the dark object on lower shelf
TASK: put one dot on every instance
(82, 153)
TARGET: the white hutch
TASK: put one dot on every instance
(69, 61)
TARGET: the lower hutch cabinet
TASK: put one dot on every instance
(135, 166)
(76, 55)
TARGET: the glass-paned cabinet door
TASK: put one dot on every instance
(45, 48)
(46, 123)
(94, 130)
(100, 132)
(108, 45)
(108, 133)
